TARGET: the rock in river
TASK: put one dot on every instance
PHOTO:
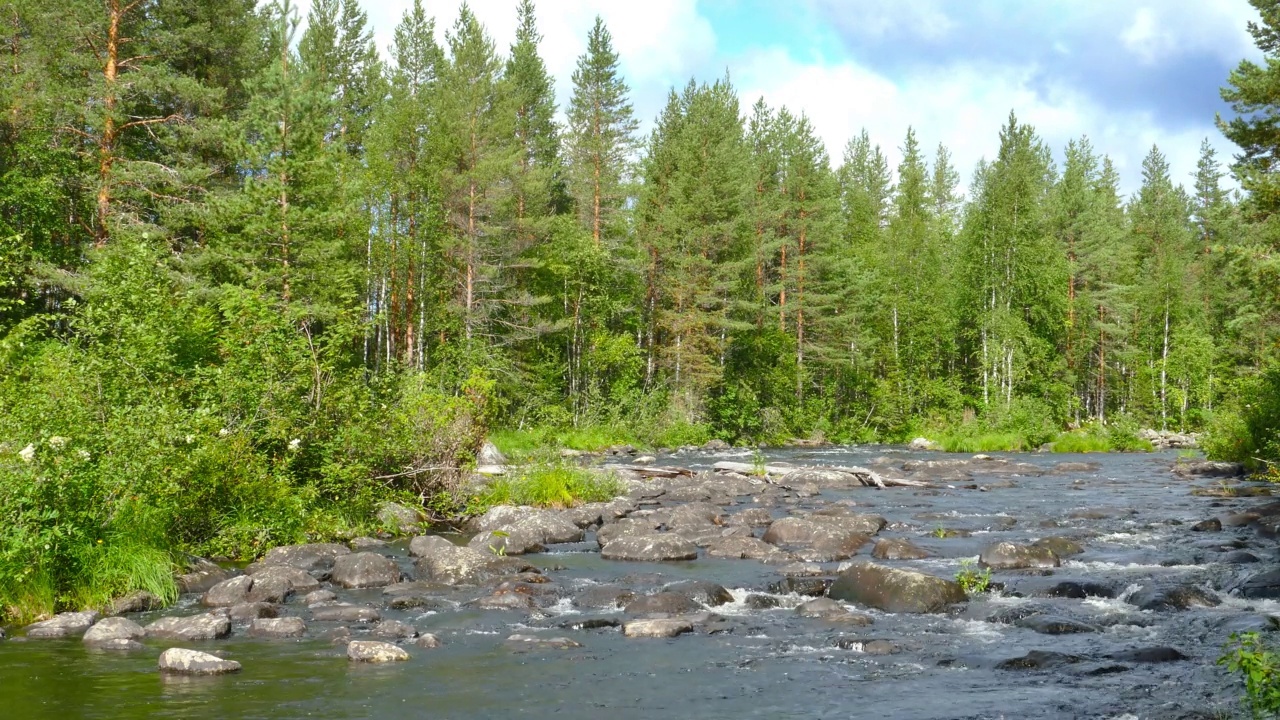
(209, 626)
(287, 627)
(314, 556)
(363, 570)
(373, 651)
(67, 624)
(112, 629)
(896, 549)
(659, 628)
(1010, 556)
(654, 547)
(182, 661)
(1173, 598)
(894, 590)
(663, 603)
(525, 642)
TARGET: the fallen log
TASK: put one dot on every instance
(863, 475)
(648, 471)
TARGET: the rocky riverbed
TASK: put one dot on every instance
(720, 595)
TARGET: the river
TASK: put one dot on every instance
(1132, 516)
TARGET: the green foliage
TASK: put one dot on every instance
(1259, 668)
(1081, 442)
(1248, 431)
(973, 579)
(545, 484)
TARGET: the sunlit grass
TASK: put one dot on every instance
(549, 485)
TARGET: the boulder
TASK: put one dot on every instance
(209, 626)
(139, 601)
(394, 630)
(747, 548)
(525, 642)
(603, 597)
(228, 592)
(705, 592)
(1173, 598)
(450, 564)
(316, 597)
(427, 640)
(624, 528)
(425, 545)
(1011, 556)
(245, 612)
(269, 578)
(696, 514)
(313, 556)
(840, 517)
(1207, 468)
(67, 624)
(181, 661)
(122, 644)
(507, 540)
(657, 628)
(547, 526)
(895, 590)
(286, 627)
(896, 549)
(651, 548)
(1149, 655)
(1054, 625)
(751, 517)
(1039, 660)
(922, 445)
(362, 543)
(366, 569)
(826, 541)
(200, 576)
(800, 585)
(1265, 585)
(108, 630)
(373, 651)
(490, 455)
(716, 445)
(1060, 546)
(344, 613)
(1079, 590)
(400, 518)
(831, 611)
(1210, 525)
(662, 603)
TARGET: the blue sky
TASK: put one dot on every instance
(1127, 73)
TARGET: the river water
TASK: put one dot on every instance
(1129, 512)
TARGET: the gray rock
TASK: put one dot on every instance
(716, 445)
(271, 588)
(650, 548)
(696, 514)
(345, 613)
(1210, 525)
(752, 517)
(707, 593)
(662, 603)
(425, 545)
(228, 592)
(450, 564)
(244, 612)
(1207, 468)
(363, 570)
(524, 642)
(361, 544)
(181, 661)
(297, 579)
(394, 630)
(801, 585)
(1053, 625)
(313, 556)
(1173, 598)
(545, 526)
(209, 626)
(114, 628)
(507, 540)
(67, 624)
(748, 548)
(839, 517)
(373, 651)
(600, 597)
(117, 644)
(921, 444)
(827, 540)
(490, 455)
(200, 576)
(139, 601)
(285, 627)
(832, 611)
(1039, 660)
(897, 549)
(1149, 655)
(504, 601)
(399, 518)
(759, 601)
(867, 647)
(1079, 590)
(894, 590)
(1060, 546)
(1264, 585)
(1008, 556)
(626, 527)
(316, 597)
(657, 628)
(427, 640)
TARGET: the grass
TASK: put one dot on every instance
(1075, 442)
(593, 438)
(986, 442)
(972, 579)
(554, 485)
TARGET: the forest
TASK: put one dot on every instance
(255, 281)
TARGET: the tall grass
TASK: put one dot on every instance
(547, 485)
(1071, 442)
(984, 443)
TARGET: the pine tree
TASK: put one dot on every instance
(600, 137)
(530, 93)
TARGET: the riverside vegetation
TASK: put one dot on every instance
(253, 284)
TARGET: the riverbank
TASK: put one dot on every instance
(1119, 582)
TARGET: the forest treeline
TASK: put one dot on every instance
(253, 281)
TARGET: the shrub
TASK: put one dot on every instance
(1259, 668)
(555, 485)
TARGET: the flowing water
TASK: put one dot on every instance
(1130, 513)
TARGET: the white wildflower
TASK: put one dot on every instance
(190, 439)
(295, 443)
(27, 453)
(224, 432)
(57, 442)
(84, 454)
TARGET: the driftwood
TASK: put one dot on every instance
(647, 471)
(863, 475)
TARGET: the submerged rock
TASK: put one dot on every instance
(182, 661)
(395, 630)
(1039, 660)
(1054, 625)
(1149, 655)
(662, 603)
(345, 613)
(139, 601)
(525, 642)
(1060, 546)
(708, 593)
(895, 590)
(657, 628)
(832, 611)
(373, 651)
(1207, 468)
(650, 548)
(1010, 556)
(1265, 585)
(1079, 590)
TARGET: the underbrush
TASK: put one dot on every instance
(550, 485)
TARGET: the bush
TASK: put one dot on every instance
(548, 484)
(1259, 668)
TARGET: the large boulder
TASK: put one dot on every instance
(200, 576)
(67, 624)
(209, 626)
(1011, 556)
(490, 455)
(824, 539)
(373, 651)
(448, 564)
(271, 576)
(898, 549)
(545, 526)
(662, 604)
(1207, 468)
(313, 556)
(651, 548)
(704, 591)
(137, 601)
(1263, 586)
(286, 627)
(363, 570)
(1181, 597)
(181, 661)
(109, 630)
(345, 613)
(228, 592)
(894, 590)
(657, 628)
(507, 540)
(1060, 546)
(623, 528)
(748, 548)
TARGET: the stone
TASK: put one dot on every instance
(545, 526)
(285, 627)
(1060, 546)
(1070, 467)
(895, 590)
(662, 603)
(507, 540)
(345, 613)
(400, 518)
(181, 661)
(525, 642)
(759, 601)
(1039, 660)
(751, 517)
(624, 527)
(395, 630)
(209, 626)
(696, 513)
(1240, 557)
(896, 549)
(245, 612)
(1207, 468)
(428, 641)
(312, 556)
(1053, 625)
(67, 624)
(271, 588)
(651, 548)
(867, 647)
(831, 611)
(319, 596)
(363, 570)
(748, 548)
(801, 585)
(273, 577)
(373, 651)
(490, 455)
(1262, 586)
(921, 444)
(657, 628)
(603, 597)
(1173, 598)
(228, 592)
(425, 545)
(1010, 556)
(450, 564)
(362, 543)
(111, 629)
(708, 593)
(120, 644)
(505, 601)
(1210, 525)
(139, 601)
(1079, 590)
(200, 576)
(1149, 655)
(716, 445)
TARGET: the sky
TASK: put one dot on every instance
(1126, 73)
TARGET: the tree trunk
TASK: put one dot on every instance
(107, 142)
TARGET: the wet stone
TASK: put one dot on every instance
(112, 629)
(373, 651)
(345, 613)
(181, 661)
(897, 549)
(1039, 660)
(1173, 599)
(1053, 625)
(68, 624)
(286, 627)
(245, 612)
(319, 596)
(663, 603)
(427, 641)
(1210, 525)
(651, 548)
(657, 628)
(1149, 655)
(140, 601)
(1079, 590)
(525, 642)
(314, 556)
(394, 630)
(209, 626)
(363, 570)
(707, 593)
